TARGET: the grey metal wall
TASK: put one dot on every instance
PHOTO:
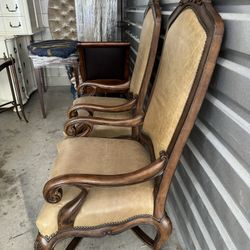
(209, 201)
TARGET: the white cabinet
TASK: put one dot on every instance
(20, 17)
(11, 7)
(17, 47)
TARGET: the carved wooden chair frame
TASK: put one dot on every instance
(134, 101)
(161, 169)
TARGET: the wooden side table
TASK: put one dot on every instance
(9, 65)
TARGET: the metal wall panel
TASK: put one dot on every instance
(209, 201)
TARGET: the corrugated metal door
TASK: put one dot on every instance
(209, 200)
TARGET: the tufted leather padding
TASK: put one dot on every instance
(106, 131)
(181, 55)
(62, 19)
(103, 205)
(143, 53)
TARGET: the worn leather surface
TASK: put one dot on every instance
(103, 205)
(143, 53)
(62, 19)
(180, 59)
(106, 131)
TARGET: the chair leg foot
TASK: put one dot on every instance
(42, 244)
(163, 233)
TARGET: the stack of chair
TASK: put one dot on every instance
(103, 186)
(134, 90)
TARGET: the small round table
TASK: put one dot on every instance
(52, 52)
(9, 65)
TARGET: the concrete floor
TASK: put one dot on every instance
(27, 152)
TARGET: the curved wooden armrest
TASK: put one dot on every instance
(53, 193)
(70, 127)
(109, 87)
(102, 108)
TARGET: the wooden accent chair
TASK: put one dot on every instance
(122, 108)
(104, 186)
(104, 67)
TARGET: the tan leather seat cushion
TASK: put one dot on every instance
(106, 131)
(103, 205)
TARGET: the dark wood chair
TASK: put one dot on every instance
(104, 67)
(127, 107)
(104, 186)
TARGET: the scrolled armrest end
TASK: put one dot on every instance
(75, 128)
(52, 195)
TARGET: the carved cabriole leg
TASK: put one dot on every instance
(163, 233)
(42, 244)
(163, 228)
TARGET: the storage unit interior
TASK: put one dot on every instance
(209, 201)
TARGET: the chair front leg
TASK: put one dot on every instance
(163, 232)
(66, 218)
(41, 243)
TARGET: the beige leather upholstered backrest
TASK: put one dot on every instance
(62, 19)
(143, 52)
(181, 55)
